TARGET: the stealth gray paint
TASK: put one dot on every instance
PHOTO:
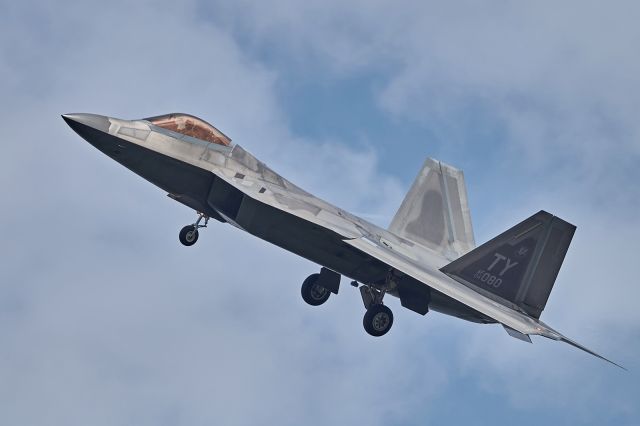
(267, 205)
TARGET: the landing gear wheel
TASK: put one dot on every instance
(312, 293)
(189, 235)
(378, 320)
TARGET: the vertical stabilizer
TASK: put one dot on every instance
(521, 264)
(435, 212)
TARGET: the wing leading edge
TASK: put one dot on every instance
(514, 319)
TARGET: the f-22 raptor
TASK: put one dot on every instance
(427, 257)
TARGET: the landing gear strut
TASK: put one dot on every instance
(378, 319)
(189, 234)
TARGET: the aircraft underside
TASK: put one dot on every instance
(212, 197)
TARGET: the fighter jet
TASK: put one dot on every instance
(427, 257)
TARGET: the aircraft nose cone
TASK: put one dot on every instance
(94, 129)
(79, 122)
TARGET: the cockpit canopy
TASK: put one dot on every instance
(190, 126)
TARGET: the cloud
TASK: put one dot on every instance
(557, 78)
(554, 86)
(104, 318)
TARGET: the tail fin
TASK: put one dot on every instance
(519, 265)
(435, 211)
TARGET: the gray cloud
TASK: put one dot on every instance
(558, 83)
(105, 319)
(554, 77)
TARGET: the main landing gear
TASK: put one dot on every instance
(378, 319)
(312, 292)
(189, 234)
(317, 288)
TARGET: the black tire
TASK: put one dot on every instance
(378, 320)
(312, 293)
(188, 235)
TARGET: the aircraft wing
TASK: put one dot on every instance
(510, 318)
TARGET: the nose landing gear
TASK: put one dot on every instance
(189, 234)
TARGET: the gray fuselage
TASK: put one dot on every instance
(226, 183)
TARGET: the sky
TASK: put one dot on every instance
(105, 319)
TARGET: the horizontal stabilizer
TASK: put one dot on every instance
(554, 335)
(550, 333)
